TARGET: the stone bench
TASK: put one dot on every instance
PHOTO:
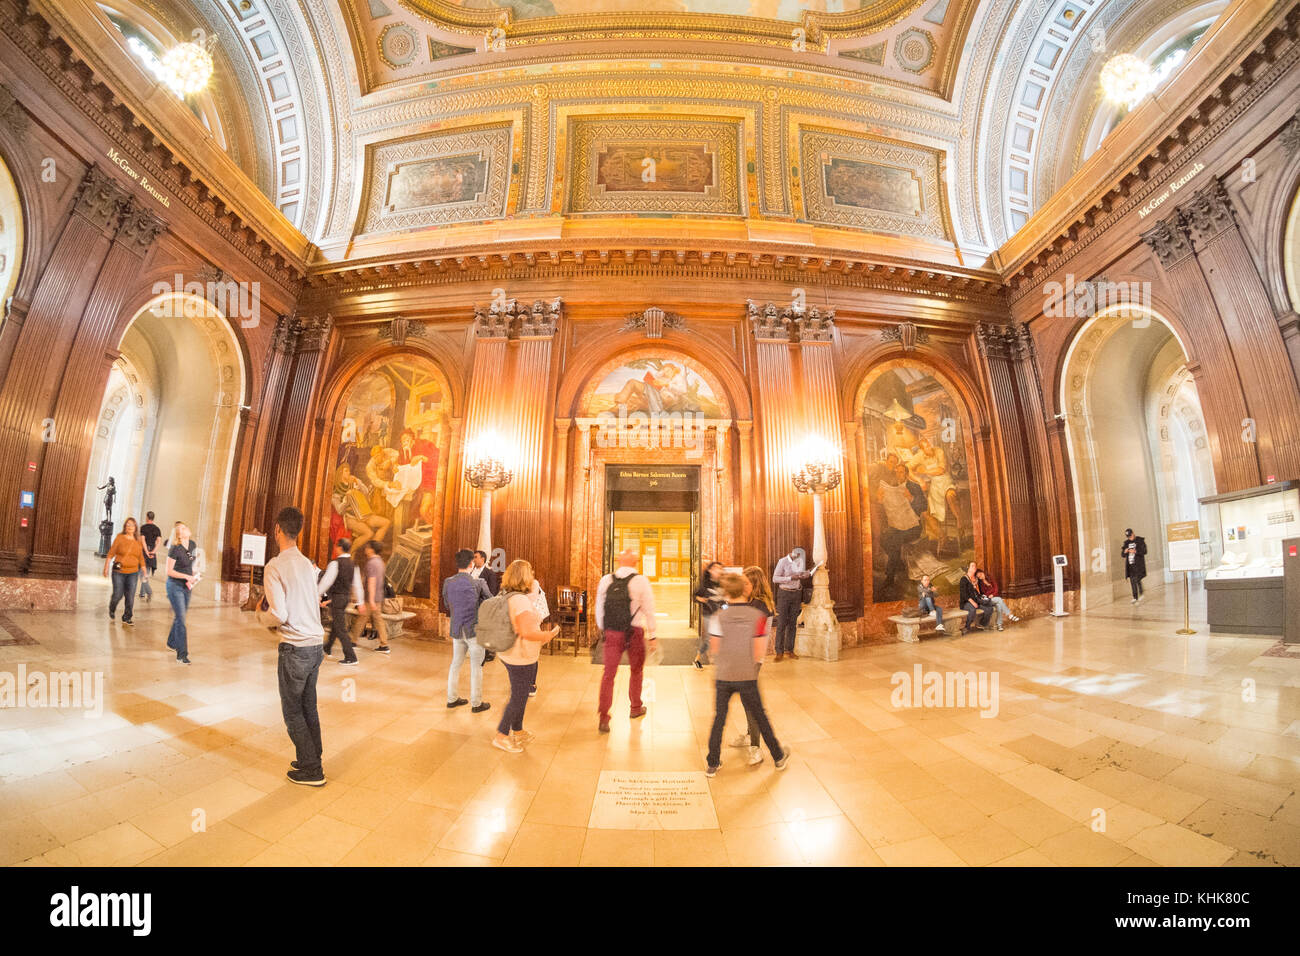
(909, 627)
(392, 622)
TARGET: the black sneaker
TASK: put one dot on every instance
(112, 615)
(307, 780)
(348, 662)
(182, 660)
(478, 709)
(458, 702)
(128, 622)
(382, 648)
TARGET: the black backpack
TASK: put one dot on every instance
(618, 604)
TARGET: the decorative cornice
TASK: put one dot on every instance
(653, 320)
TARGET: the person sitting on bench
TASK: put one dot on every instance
(928, 603)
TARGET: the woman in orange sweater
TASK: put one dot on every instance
(124, 559)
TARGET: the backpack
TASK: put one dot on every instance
(618, 604)
(492, 629)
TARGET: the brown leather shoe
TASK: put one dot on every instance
(604, 725)
(779, 658)
(637, 712)
(794, 656)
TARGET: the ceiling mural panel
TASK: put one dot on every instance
(870, 183)
(431, 179)
(660, 164)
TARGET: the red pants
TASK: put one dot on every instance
(615, 643)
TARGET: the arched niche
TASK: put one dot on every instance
(1137, 443)
(920, 489)
(388, 436)
(168, 425)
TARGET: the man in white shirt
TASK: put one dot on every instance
(339, 586)
(625, 615)
(290, 608)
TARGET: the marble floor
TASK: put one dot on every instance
(1115, 742)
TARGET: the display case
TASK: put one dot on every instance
(1243, 584)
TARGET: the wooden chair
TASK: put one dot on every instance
(570, 613)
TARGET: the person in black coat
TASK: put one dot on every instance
(1133, 552)
(973, 602)
(480, 569)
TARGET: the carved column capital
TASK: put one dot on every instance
(313, 331)
(100, 201)
(1290, 134)
(140, 227)
(1208, 213)
(285, 337)
(494, 322)
(12, 114)
(1168, 239)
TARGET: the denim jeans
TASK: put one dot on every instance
(297, 670)
(123, 590)
(788, 605)
(179, 596)
(748, 691)
(460, 647)
(1000, 611)
(704, 636)
(615, 643)
(521, 677)
(146, 589)
(984, 610)
(928, 606)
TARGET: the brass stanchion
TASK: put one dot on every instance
(1187, 613)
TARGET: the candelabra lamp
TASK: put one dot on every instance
(488, 474)
(818, 634)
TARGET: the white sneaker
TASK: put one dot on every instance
(1134, 601)
(755, 756)
(939, 628)
(741, 741)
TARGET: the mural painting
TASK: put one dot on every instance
(682, 168)
(655, 386)
(386, 473)
(437, 182)
(918, 484)
(851, 182)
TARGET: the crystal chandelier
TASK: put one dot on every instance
(186, 68)
(1125, 80)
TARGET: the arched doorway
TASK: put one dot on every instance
(11, 237)
(919, 489)
(1139, 454)
(167, 427)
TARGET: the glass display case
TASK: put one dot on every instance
(1244, 579)
(1250, 528)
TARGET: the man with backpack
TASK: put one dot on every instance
(625, 615)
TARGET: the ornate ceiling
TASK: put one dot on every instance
(929, 130)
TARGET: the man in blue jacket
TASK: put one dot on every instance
(461, 595)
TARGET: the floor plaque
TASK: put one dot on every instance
(652, 800)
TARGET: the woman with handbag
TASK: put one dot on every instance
(123, 561)
(521, 660)
(181, 578)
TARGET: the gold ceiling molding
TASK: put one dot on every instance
(818, 27)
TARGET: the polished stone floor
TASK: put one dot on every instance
(1115, 742)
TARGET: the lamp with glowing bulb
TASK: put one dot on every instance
(817, 473)
(487, 472)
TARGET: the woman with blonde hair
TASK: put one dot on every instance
(125, 559)
(759, 594)
(181, 578)
(521, 660)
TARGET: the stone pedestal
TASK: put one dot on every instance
(818, 635)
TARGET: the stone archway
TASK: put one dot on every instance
(1132, 422)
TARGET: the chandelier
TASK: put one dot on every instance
(186, 69)
(487, 472)
(819, 470)
(1125, 80)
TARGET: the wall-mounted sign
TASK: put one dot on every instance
(1184, 539)
(121, 162)
(27, 499)
(652, 478)
(1174, 186)
(252, 549)
(31, 466)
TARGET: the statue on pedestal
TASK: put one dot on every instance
(106, 526)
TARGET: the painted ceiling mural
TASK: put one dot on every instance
(949, 121)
